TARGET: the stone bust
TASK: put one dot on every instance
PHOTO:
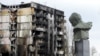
(80, 28)
(75, 19)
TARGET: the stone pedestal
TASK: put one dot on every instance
(81, 35)
(82, 48)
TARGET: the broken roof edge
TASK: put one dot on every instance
(35, 5)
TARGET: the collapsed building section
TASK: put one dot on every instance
(32, 29)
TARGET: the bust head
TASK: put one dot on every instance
(75, 19)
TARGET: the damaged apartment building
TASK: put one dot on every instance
(32, 29)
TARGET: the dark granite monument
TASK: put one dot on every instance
(81, 35)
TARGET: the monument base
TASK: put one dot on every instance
(82, 48)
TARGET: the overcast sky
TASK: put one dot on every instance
(88, 9)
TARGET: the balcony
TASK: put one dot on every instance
(13, 40)
(60, 55)
(41, 35)
(60, 52)
(60, 33)
(39, 14)
(41, 29)
(34, 20)
(13, 46)
(60, 20)
(31, 48)
(42, 21)
(43, 46)
(42, 51)
(59, 45)
(40, 38)
(44, 15)
(13, 34)
(12, 23)
(60, 25)
(13, 29)
(33, 26)
(59, 38)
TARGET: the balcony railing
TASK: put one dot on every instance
(59, 45)
(60, 33)
(61, 52)
(40, 29)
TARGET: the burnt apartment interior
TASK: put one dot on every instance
(33, 30)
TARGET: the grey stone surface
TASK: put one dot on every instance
(80, 28)
(81, 35)
(77, 22)
(82, 48)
